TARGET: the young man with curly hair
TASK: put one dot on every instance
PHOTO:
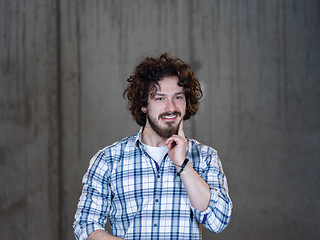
(157, 184)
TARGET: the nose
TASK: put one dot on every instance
(170, 105)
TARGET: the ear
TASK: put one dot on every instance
(144, 109)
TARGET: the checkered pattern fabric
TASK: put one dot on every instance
(147, 201)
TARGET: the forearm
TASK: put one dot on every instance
(101, 235)
(197, 189)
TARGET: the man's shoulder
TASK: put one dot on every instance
(119, 145)
(200, 155)
(202, 149)
(112, 154)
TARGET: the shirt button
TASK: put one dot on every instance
(158, 176)
(157, 200)
(155, 225)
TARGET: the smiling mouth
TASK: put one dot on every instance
(170, 116)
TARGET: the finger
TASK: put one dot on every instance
(170, 144)
(180, 130)
(172, 138)
(168, 141)
(176, 139)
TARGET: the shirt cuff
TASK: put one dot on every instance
(87, 230)
(202, 216)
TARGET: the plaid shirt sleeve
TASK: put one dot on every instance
(217, 216)
(95, 200)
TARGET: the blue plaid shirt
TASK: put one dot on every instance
(147, 201)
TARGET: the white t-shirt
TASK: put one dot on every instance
(157, 153)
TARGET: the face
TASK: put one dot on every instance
(166, 107)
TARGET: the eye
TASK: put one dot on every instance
(178, 97)
(159, 99)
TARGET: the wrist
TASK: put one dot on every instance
(178, 161)
(182, 167)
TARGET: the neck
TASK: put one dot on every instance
(151, 138)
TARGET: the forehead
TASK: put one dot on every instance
(168, 85)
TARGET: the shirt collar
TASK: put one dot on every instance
(138, 137)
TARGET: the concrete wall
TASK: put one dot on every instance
(64, 66)
(29, 155)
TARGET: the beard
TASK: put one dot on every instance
(164, 132)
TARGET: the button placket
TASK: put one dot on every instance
(156, 202)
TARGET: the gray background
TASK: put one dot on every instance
(64, 65)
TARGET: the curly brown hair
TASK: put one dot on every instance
(146, 76)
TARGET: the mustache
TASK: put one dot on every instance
(169, 113)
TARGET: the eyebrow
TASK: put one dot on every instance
(162, 94)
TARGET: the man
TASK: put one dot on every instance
(157, 184)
